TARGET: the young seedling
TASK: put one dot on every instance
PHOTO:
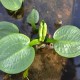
(17, 52)
(42, 34)
(33, 18)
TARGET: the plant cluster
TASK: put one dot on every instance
(16, 49)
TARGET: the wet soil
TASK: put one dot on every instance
(48, 65)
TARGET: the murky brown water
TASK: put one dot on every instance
(50, 11)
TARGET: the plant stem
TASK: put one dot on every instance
(25, 74)
(34, 42)
(33, 26)
(50, 40)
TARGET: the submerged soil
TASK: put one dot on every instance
(48, 65)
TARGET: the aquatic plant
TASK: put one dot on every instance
(17, 52)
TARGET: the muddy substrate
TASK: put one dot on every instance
(48, 65)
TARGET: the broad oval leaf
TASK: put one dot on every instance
(33, 17)
(68, 41)
(15, 53)
(12, 4)
(7, 28)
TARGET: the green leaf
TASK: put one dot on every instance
(33, 17)
(12, 4)
(44, 32)
(68, 41)
(15, 53)
(7, 28)
(34, 42)
(41, 31)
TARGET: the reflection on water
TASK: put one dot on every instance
(76, 22)
(76, 13)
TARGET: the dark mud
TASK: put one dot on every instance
(48, 65)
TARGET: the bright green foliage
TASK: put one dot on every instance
(12, 4)
(33, 18)
(34, 42)
(7, 28)
(25, 73)
(68, 41)
(15, 53)
(42, 31)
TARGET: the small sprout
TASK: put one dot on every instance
(33, 18)
(42, 31)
